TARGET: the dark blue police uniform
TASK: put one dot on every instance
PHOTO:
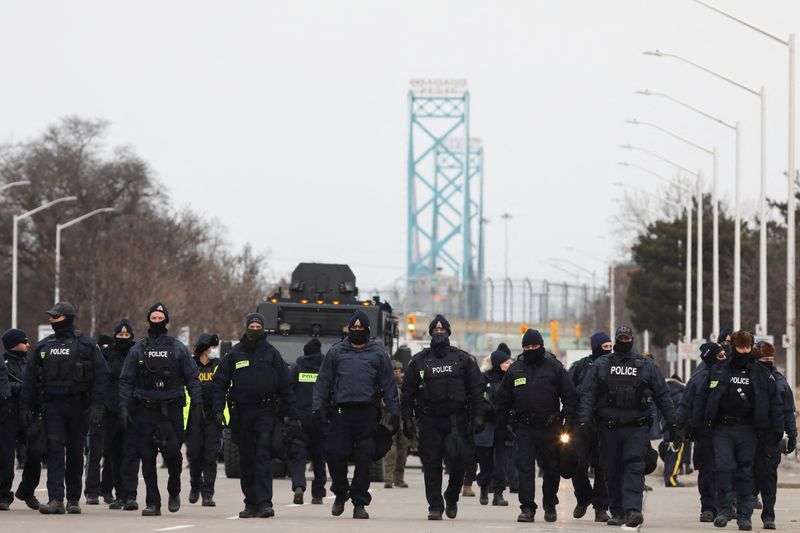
(443, 387)
(152, 382)
(203, 435)
(310, 443)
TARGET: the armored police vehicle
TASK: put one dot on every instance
(318, 303)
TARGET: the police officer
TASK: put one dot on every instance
(768, 457)
(71, 373)
(711, 353)
(619, 390)
(354, 372)
(742, 406)
(151, 399)
(203, 433)
(309, 443)
(444, 387)
(585, 493)
(494, 460)
(107, 440)
(254, 378)
(673, 455)
(535, 386)
(394, 463)
(14, 361)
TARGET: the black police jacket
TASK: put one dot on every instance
(15, 372)
(253, 374)
(303, 375)
(579, 369)
(67, 364)
(787, 397)
(157, 369)
(115, 358)
(5, 386)
(686, 410)
(767, 404)
(536, 389)
(442, 382)
(623, 387)
(356, 375)
(493, 377)
(205, 373)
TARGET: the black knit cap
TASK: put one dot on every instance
(124, 323)
(361, 317)
(312, 347)
(158, 306)
(254, 317)
(439, 321)
(206, 341)
(503, 347)
(532, 337)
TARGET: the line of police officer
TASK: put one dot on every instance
(735, 408)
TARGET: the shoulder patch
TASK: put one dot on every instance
(713, 384)
(520, 381)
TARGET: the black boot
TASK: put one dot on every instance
(208, 501)
(174, 503)
(450, 509)
(130, 505)
(600, 515)
(526, 515)
(617, 520)
(52, 507)
(298, 496)
(265, 510)
(435, 514)
(360, 513)
(249, 511)
(31, 501)
(634, 519)
(152, 510)
(722, 519)
(338, 505)
(499, 500)
(484, 499)
(580, 510)
(73, 507)
(194, 495)
(744, 523)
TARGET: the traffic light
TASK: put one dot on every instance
(523, 328)
(554, 331)
(411, 323)
(577, 331)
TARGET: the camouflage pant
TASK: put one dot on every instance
(394, 463)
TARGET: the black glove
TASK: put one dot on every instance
(791, 445)
(96, 415)
(394, 421)
(26, 417)
(675, 434)
(319, 419)
(478, 424)
(409, 429)
(219, 418)
(125, 418)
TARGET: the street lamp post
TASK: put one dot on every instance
(762, 242)
(737, 270)
(15, 244)
(715, 218)
(789, 340)
(59, 228)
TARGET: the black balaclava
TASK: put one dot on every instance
(123, 345)
(158, 328)
(64, 328)
(620, 347)
(532, 337)
(358, 337)
(254, 335)
(741, 360)
(597, 341)
(439, 341)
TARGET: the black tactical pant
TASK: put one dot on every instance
(113, 446)
(537, 443)
(251, 430)
(768, 458)
(309, 444)
(66, 425)
(352, 432)
(12, 434)
(622, 454)
(151, 426)
(704, 464)
(129, 466)
(433, 430)
(485, 457)
(202, 448)
(734, 454)
(585, 493)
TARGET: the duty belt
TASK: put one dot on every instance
(79, 397)
(726, 420)
(267, 401)
(155, 404)
(614, 423)
(529, 420)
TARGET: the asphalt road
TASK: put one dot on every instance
(392, 510)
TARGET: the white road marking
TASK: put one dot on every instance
(173, 528)
(234, 517)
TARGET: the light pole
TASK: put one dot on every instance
(699, 194)
(762, 241)
(7, 186)
(737, 238)
(59, 227)
(715, 215)
(789, 340)
(14, 259)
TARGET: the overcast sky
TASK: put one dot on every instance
(287, 121)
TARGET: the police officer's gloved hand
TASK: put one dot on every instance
(125, 418)
(675, 435)
(219, 418)
(478, 424)
(26, 417)
(319, 419)
(791, 445)
(409, 429)
(96, 415)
